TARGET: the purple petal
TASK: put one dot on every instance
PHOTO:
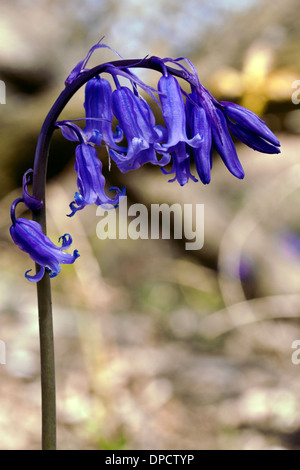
(180, 165)
(98, 96)
(249, 120)
(225, 147)
(138, 124)
(141, 157)
(135, 116)
(199, 123)
(173, 109)
(37, 277)
(251, 139)
(133, 79)
(71, 131)
(66, 241)
(90, 180)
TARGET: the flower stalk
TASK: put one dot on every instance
(44, 296)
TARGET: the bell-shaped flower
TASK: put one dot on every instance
(99, 116)
(29, 237)
(198, 122)
(173, 109)
(137, 122)
(205, 117)
(216, 121)
(249, 128)
(90, 181)
(225, 147)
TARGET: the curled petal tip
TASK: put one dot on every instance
(76, 254)
(66, 240)
(37, 277)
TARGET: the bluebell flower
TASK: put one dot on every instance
(178, 143)
(205, 117)
(249, 128)
(137, 121)
(216, 122)
(199, 121)
(90, 181)
(98, 112)
(173, 110)
(29, 237)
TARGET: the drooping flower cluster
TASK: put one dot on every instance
(194, 125)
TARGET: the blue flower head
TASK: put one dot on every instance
(29, 237)
(194, 125)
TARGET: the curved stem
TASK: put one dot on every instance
(43, 286)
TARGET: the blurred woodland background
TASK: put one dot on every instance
(158, 347)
